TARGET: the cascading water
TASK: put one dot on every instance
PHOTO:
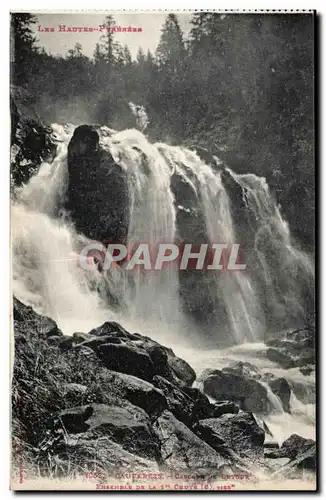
(284, 274)
(45, 273)
(151, 296)
(44, 270)
(234, 289)
(276, 287)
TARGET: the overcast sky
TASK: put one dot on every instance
(61, 42)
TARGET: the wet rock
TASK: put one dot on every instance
(281, 387)
(182, 450)
(159, 358)
(54, 339)
(240, 433)
(249, 394)
(297, 348)
(47, 327)
(281, 357)
(304, 391)
(243, 369)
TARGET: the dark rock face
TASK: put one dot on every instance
(248, 393)
(295, 349)
(240, 433)
(100, 214)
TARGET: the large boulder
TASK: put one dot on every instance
(135, 354)
(304, 391)
(298, 447)
(243, 369)
(182, 450)
(129, 427)
(135, 390)
(249, 394)
(182, 369)
(127, 358)
(300, 451)
(179, 403)
(240, 432)
(101, 214)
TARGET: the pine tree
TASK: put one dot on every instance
(76, 52)
(109, 44)
(171, 49)
(23, 45)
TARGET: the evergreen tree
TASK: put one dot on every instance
(171, 49)
(109, 45)
(23, 45)
(76, 52)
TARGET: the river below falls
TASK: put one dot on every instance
(301, 421)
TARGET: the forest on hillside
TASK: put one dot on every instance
(239, 85)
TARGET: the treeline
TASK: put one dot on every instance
(240, 85)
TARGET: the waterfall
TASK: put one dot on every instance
(284, 273)
(46, 274)
(151, 296)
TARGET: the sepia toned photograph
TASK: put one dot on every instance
(162, 199)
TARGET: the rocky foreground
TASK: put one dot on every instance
(110, 400)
